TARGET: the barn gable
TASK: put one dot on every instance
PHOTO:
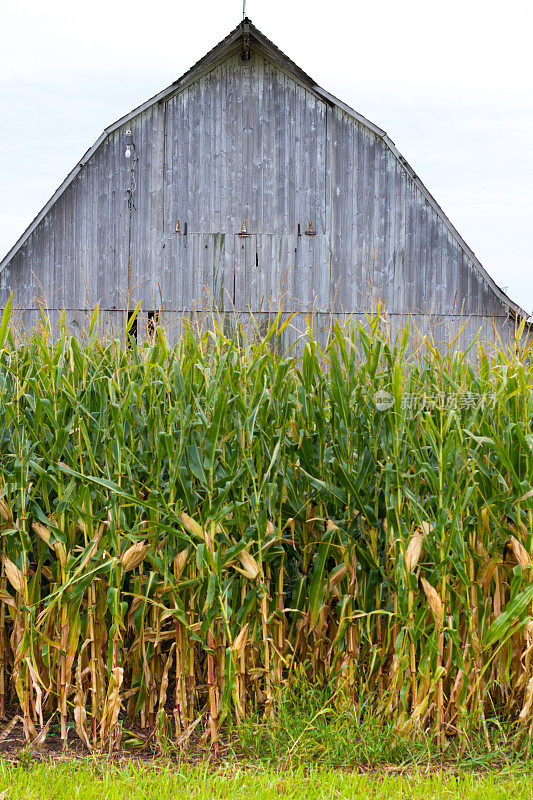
(254, 139)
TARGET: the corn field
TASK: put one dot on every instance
(183, 529)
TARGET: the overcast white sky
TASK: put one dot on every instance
(450, 82)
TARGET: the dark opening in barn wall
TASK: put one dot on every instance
(152, 323)
(132, 325)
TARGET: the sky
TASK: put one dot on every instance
(451, 83)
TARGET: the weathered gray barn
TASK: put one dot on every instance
(335, 216)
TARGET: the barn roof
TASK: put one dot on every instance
(232, 41)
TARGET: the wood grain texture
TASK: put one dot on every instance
(249, 140)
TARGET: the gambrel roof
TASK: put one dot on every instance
(232, 43)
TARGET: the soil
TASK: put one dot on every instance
(137, 744)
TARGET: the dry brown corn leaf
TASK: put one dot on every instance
(527, 708)
(41, 736)
(6, 598)
(164, 678)
(42, 532)
(113, 703)
(9, 727)
(36, 682)
(192, 526)
(180, 561)
(14, 575)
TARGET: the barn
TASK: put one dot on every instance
(241, 188)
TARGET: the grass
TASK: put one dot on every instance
(310, 728)
(91, 781)
(187, 531)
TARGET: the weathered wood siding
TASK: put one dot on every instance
(248, 141)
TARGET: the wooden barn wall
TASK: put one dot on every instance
(387, 240)
(247, 142)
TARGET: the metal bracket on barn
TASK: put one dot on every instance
(168, 237)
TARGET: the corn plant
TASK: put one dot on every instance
(184, 528)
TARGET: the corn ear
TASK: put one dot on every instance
(519, 551)
(413, 552)
(134, 555)
(250, 567)
(434, 601)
